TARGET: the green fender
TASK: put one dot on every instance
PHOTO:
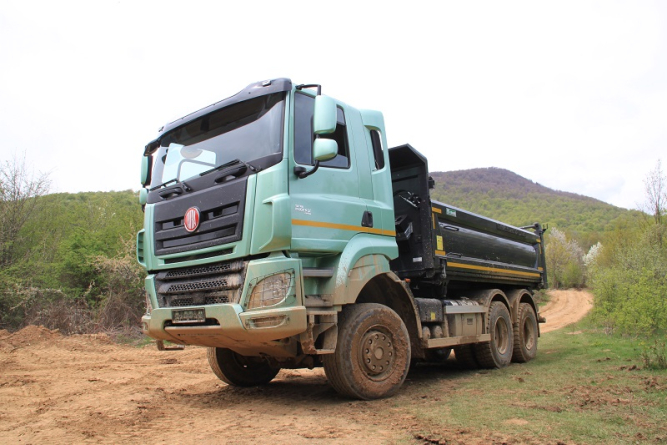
(365, 257)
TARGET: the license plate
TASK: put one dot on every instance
(188, 316)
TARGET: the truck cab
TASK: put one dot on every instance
(270, 237)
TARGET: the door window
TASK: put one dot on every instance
(303, 134)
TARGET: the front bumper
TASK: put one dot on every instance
(268, 330)
(248, 333)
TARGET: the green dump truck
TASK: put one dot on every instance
(280, 232)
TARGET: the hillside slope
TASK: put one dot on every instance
(506, 196)
(67, 231)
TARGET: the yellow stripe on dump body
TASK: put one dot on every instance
(492, 269)
(326, 225)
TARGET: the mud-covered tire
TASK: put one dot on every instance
(497, 353)
(238, 370)
(465, 356)
(525, 334)
(372, 357)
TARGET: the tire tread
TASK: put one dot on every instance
(521, 354)
(484, 352)
(342, 369)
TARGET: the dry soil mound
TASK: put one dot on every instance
(30, 335)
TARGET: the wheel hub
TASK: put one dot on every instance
(377, 352)
(529, 336)
(502, 336)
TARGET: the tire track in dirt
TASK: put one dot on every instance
(564, 308)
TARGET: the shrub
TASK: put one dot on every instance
(655, 356)
(122, 303)
(118, 305)
(50, 308)
(630, 284)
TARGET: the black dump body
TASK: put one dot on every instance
(444, 249)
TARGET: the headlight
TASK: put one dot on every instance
(270, 290)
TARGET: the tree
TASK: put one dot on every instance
(19, 191)
(656, 194)
(564, 261)
(655, 204)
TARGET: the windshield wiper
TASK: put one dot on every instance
(165, 184)
(229, 164)
(204, 173)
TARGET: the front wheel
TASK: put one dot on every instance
(238, 370)
(372, 356)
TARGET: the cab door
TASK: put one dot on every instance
(327, 210)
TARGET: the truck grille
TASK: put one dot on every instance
(182, 302)
(201, 285)
(221, 219)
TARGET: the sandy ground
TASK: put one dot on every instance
(565, 307)
(86, 389)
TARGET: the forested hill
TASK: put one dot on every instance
(72, 264)
(66, 232)
(506, 196)
(59, 243)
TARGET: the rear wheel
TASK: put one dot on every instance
(498, 352)
(372, 356)
(525, 334)
(239, 370)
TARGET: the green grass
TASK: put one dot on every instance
(542, 297)
(584, 387)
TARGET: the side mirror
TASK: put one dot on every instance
(145, 170)
(324, 149)
(325, 115)
(143, 196)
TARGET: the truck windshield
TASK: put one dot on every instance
(245, 131)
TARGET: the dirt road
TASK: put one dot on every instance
(86, 389)
(565, 307)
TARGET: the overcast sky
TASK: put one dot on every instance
(569, 94)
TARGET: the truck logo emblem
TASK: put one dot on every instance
(191, 219)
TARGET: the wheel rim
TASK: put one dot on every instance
(529, 335)
(377, 353)
(501, 336)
